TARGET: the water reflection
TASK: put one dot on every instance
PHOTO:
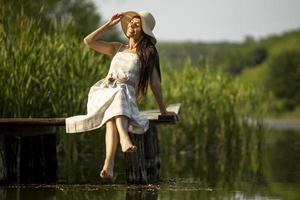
(284, 157)
(142, 194)
(263, 166)
(3, 193)
(220, 161)
(80, 192)
(22, 193)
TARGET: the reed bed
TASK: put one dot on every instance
(48, 74)
(45, 74)
(214, 131)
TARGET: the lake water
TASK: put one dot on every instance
(270, 170)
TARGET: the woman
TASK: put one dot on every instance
(112, 100)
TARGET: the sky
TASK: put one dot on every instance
(211, 20)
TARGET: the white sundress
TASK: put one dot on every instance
(114, 96)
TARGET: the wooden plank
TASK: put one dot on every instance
(27, 130)
(32, 121)
(153, 116)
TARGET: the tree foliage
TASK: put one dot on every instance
(82, 13)
(284, 77)
(277, 56)
(224, 56)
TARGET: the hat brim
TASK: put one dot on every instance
(127, 18)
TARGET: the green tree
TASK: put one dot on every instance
(82, 13)
(284, 77)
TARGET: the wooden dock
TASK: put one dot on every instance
(25, 142)
(33, 126)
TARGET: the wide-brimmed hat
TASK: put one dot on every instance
(148, 22)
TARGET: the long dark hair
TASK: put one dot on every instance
(149, 60)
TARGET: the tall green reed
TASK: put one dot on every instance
(48, 74)
(214, 122)
(45, 74)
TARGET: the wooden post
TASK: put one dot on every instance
(28, 159)
(38, 162)
(3, 171)
(11, 149)
(143, 167)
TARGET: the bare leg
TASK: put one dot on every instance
(122, 126)
(111, 144)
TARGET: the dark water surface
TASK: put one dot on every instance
(271, 172)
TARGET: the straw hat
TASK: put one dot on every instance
(148, 22)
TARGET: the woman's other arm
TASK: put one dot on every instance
(155, 86)
(93, 39)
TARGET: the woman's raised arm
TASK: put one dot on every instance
(93, 39)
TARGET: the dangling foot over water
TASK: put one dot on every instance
(127, 146)
(107, 171)
(122, 126)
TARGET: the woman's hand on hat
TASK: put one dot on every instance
(116, 18)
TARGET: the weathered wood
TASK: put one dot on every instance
(135, 163)
(32, 126)
(152, 156)
(143, 167)
(154, 116)
(32, 121)
(15, 130)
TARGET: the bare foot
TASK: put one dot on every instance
(130, 149)
(107, 171)
(127, 146)
(106, 174)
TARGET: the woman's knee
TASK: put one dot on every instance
(121, 118)
(111, 123)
